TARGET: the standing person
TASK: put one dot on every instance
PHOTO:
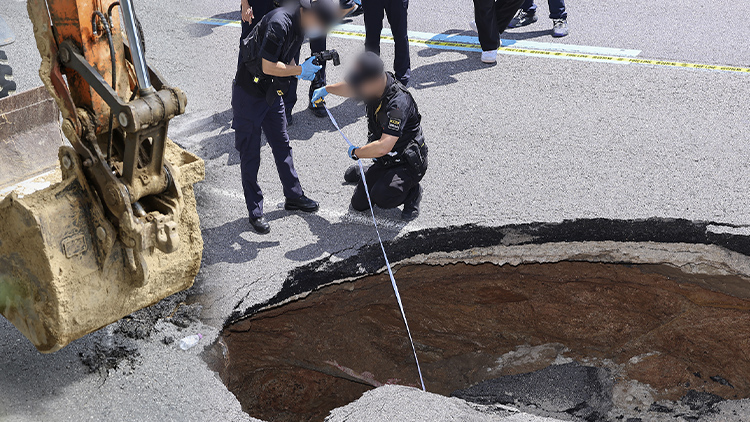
(252, 12)
(492, 17)
(396, 11)
(527, 15)
(349, 8)
(267, 69)
(395, 141)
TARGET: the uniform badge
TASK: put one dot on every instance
(394, 124)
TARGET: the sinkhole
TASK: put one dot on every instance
(650, 325)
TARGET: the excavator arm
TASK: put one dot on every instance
(120, 231)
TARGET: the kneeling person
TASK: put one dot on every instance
(395, 140)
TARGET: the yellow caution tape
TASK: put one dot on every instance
(527, 51)
(596, 57)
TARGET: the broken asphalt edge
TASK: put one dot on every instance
(369, 260)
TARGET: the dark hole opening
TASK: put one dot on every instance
(646, 323)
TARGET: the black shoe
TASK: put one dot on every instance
(289, 119)
(522, 18)
(318, 110)
(352, 175)
(411, 204)
(358, 10)
(302, 203)
(260, 225)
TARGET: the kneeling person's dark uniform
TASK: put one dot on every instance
(395, 141)
(394, 178)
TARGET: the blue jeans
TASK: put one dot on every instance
(251, 116)
(556, 8)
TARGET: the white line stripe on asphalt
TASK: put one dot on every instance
(534, 45)
(549, 50)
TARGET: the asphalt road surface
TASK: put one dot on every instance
(530, 139)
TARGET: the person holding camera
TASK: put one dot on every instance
(266, 72)
(395, 142)
(252, 11)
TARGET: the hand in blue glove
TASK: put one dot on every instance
(319, 95)
(309, 69)
(352, 155)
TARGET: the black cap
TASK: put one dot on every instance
(328, 11)
(367, 67)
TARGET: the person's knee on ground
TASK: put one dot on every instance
(385, 196)
(359, 201)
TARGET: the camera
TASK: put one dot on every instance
(328, 55)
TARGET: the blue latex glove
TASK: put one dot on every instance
(358, 2)
(309, 70)
(352, 148)
(318, 95)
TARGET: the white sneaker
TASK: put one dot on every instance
(473, 26)
(489, 56)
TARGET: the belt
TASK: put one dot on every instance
(392, 160)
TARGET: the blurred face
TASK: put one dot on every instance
(312, 25)
(372, 89)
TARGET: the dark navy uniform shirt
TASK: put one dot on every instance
(395, 114)
(276, 38)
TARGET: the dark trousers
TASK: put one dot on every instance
(251, 115)
(316, 46)
(492, 18)
(389, 187)
(556, 8)
(260, 8)
(396, 11)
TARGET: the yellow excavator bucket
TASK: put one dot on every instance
(63, 268)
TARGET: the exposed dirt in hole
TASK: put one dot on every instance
(301, 360)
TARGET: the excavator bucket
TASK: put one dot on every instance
(63, 267)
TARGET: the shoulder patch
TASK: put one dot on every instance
(395, 119)
(394, 124)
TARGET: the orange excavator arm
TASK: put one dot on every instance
(83, 24)
(116, 115)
